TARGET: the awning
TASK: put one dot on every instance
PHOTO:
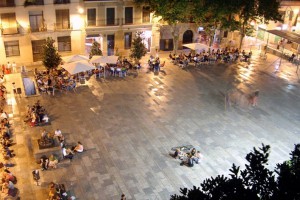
(291, 36)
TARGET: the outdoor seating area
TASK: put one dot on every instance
(204, 57)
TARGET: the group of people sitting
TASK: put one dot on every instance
(36, 115)
(8, 180)
(69, 152)
(58, 191)
(220, 55)
(48, 162)
(155, 64)
(56, 80)
(121, 68)
(5, 139)
(188, 158)
(2, 92)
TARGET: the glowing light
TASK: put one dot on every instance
(80, 10)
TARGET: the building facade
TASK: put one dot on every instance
(25, 24)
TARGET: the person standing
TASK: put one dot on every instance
(3, 69)
(8, 68)
(14, 67)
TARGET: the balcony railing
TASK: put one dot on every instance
(7, 3)
(116, 22)
(41, 28)
(33, 2)
(11, 29)
(113, 22)
(61, 1)
(62, 26)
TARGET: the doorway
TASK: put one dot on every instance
(110, 45)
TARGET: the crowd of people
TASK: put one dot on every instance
(226, 55)
(36, 115)
(8, 179)
(121, 68)
(58, 79)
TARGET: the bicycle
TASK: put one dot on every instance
(263, 56)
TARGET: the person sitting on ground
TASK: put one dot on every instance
(44, 162)
(78, 148)
(178, 154)
(58, 134)
(3, 115)
(53, 161)
(292, 57)
(67, 153)
(197, 157)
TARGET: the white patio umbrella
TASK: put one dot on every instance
(104, 59)
(74, 58)
(78, 66)
(196, 46)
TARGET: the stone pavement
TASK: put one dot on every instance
(128, 127)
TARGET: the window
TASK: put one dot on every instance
(9, 23)
(62, 19)
(110, 16)
(7, 3)
(146, 14)
(36, 21)
(225, 34)
(37, 49)
(12, 48)
(127, 40)
(64, 43)
(91, 16)
(128, 15)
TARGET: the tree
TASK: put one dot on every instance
(255, 182)
(289, 177)
(214, 15)
(51, 58)
(138, 49)
(173, 12)
(95, 49)
(255, 10)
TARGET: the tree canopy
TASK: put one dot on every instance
(138, 49)
(95, 50)
(255, 182)
(216, 14)
(51, 58)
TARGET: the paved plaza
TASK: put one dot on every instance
(128, 126)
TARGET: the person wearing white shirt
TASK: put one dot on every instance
(14, 67)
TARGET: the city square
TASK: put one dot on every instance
(129, 125)
(149, 99)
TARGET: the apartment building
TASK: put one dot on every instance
(25, 24)
(75, 24)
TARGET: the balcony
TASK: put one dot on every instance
(62, 26)
(41, 28)
(61, 1)
(117, 22)
(33, 2)
(97, 23)
(10, 30)
(7, 3)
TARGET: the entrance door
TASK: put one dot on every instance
(110, 44)
(187, 37)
